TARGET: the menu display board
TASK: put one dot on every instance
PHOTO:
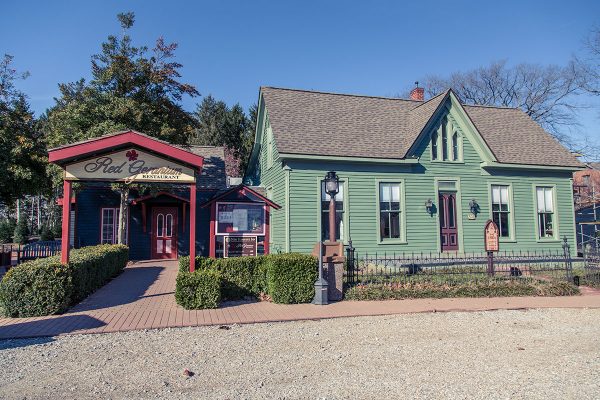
(240, 218)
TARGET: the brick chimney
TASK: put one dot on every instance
(417, 93)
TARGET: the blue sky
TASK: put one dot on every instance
(230, 48)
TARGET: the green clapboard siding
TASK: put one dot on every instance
(419, 184)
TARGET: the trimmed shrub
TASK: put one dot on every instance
(36, 288)
(45, 286)
(291, 277)
(242, 276)
(287, 278)
(198, 290)
(480, 288)
(93, 266)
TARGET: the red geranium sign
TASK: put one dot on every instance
(132, 155)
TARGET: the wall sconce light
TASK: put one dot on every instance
(474, 207)
(429, 206)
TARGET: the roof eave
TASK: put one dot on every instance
(497, 165)
(317, 157)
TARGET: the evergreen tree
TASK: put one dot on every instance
(131, 88)
(22, 150)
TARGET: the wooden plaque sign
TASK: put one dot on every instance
(239, 246)
(491, 236)
(129, 165)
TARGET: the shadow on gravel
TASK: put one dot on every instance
(45, 328)
(6, 344)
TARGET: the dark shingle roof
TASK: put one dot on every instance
(330, 124)
(213, 171)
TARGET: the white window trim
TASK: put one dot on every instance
(402, 239)
(115, 225)
(556, 234)
(511, 210)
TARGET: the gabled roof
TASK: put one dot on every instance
(104, 144)
(245, 191)
(331, 124)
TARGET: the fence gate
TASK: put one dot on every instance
(591, 268)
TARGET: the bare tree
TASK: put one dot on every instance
(589, 63)
(545, 93)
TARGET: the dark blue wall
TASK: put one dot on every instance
(91, 200)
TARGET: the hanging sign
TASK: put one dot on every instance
(491, 236)
(129, 165)
(239, 246)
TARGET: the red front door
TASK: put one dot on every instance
(448, 228)
(164, 232)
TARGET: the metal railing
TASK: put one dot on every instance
(456, 268)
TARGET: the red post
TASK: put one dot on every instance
(192, 227)
(267, 228)
(66, 222)
(212, 252)
(332, 230)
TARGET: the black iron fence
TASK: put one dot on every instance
(456, 268)
(590, 273)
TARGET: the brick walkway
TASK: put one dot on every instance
(142, 297)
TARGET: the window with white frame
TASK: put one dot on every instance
(339, 213)
(389, 211)
(545, 212)
(501, 209)
(109, 226)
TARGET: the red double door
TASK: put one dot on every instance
(164, 232)
(448, 226)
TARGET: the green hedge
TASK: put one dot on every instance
(198, 290)
(36, 288)
(493, 287)
(45, 286)
(242, 276)
(93, 266)
(287, 278)
(291, 278)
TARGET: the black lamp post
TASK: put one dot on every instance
(332, 188)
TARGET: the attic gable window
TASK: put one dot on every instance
(446, 143)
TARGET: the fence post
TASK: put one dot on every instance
(350, 262)
(568, 262)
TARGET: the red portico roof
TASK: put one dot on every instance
(69, 153)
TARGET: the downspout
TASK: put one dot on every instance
(287, 171)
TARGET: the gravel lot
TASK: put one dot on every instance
(535, 354)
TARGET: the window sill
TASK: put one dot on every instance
(508, 240)
(392, 241)
(549, 240)
(447, 162)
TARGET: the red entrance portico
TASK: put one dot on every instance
(131, 156)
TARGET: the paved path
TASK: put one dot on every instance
(142, 297)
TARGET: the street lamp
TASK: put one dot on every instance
(332, 188)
